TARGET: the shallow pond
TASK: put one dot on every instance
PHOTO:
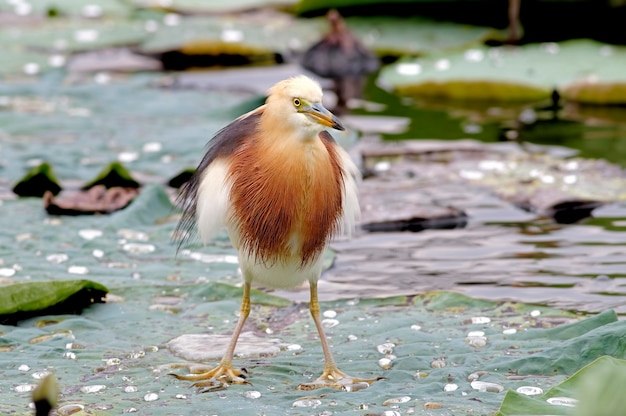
(109, 358)
(502, 252)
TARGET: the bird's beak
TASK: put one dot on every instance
(320, 114)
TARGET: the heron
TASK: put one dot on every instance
(283, 188)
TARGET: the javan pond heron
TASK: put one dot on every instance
(282, 187)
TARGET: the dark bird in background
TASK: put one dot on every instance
(340, 56)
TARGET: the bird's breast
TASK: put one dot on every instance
(286, 199)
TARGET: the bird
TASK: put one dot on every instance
(343, 58)
(282, 187)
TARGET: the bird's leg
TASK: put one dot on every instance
(224, 374)
(331, 375)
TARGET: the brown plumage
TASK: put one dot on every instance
(288, 201)
(282, 187)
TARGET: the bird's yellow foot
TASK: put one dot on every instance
(217, 378)
(336, 379)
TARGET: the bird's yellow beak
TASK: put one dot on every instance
(321, 115)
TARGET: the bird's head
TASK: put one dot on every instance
(297, 101)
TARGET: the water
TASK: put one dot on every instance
(595, 131)
(577, 266)
(502, 253)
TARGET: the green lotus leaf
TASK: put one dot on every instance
(21, 300)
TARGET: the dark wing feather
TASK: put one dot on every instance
(222, 145)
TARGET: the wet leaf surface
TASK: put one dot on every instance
(580, 70)
(593, 384)
(19, 301)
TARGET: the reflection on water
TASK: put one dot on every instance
(503, 253)
(579, 266)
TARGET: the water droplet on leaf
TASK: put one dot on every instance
(90, 234)
(150, 397)
(438, 363)
(529, 390)
(307, 403)
(484, 386)
(252, 394)
(386, 348)
(563, 401)
(396, 400)
(450, 387)
(95, 388)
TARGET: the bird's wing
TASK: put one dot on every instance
(351, 176)
(351, 211)
(204, 198)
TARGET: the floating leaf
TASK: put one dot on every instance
(580, 70)
(83, 8)
(73, 35)
(596, 389)
(37, 182)
(113, 175)
(21, 300)
(213, 6)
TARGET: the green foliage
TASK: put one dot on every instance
(20, 300)
(580, 70)
(114, 174)
(37, 182)
(598, 387)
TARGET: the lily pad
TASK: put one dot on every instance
(215, 6)
(15, 61)
(21, 300)
(580, 70)
(45, 45)
(236, 35)
(83, 8)
(594, 390)
(115, 174)
(73, 35)
(411, 36)
(37, 182)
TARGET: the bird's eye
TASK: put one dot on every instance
(296, 102)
